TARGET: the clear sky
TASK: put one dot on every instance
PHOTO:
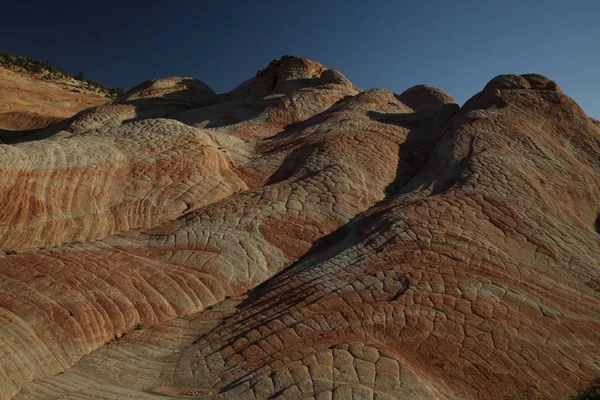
(457, 46)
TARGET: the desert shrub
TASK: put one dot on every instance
(591, 393)
(37, 66)
(116, 92)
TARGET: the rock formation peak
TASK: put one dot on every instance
(287, 74)
(421, 97)
(170, 90)
(525, 81)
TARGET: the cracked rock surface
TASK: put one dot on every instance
(29, 103)
(298, 237)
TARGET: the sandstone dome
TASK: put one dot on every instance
(298, 237)
(421, 97)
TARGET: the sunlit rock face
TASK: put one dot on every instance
(29, 102)
(300, 238)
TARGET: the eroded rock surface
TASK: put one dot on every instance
(300, 238)
(30, 103)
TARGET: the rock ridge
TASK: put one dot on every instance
(299, 237)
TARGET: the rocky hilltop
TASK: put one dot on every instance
(29, 103)
(35, 95)
(297, 237)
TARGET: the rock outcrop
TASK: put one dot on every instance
(298, 237)
(28, 103)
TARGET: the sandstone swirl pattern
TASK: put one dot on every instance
(300, 238)
(28, 103)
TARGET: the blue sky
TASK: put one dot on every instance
(457, 46)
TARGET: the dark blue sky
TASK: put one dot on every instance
(457, 46)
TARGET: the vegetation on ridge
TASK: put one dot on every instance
(50, 72)
(591, 393)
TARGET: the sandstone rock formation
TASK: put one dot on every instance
(300, 238)
(28, 103)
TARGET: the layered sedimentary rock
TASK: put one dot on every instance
(28, 103)
(300, 238)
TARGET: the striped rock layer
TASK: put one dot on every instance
(300, 238)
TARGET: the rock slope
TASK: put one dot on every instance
(300, 238)
(28, 102)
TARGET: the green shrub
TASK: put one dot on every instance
(36, 66)
(591, 393)
(116, 92)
